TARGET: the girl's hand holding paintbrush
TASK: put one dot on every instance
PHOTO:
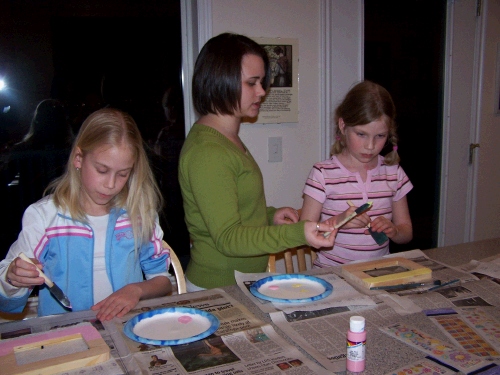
(382, 228)
(23, 274)
(383, 225)
(360, 221)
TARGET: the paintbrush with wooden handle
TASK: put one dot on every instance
(54, 289)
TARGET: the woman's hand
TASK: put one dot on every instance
(285, 215)
(315, 233)
(23, 274)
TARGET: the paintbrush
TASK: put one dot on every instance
(443, 285)
(407, 286)
(363, 208)
(54, 289)
(379, 237)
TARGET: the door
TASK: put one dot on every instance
(430, 68)
(406, 56)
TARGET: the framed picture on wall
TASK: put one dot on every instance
(281, 102)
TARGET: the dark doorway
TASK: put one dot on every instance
(404, 52)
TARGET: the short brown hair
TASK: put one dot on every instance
(216, 86)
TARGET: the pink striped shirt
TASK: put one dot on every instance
(331, 184)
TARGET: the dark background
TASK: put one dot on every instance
(89, 55)
(404, 52)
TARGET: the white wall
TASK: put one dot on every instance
(302, 141)
(488, 182)
(300, 20)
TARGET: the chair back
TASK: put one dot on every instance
(299, 264)
(178, 271)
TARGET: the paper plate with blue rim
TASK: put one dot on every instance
(291, 288)
(171, 326)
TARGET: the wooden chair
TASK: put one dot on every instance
(178, 271)
(288, 254)
(300, 253)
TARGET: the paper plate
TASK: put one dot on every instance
(291, 288)
(171, 326)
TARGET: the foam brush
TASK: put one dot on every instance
(379, 237)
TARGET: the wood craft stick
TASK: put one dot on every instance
(359, 210)
(379, 237)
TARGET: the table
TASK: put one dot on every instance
(456, 255)
(383, 352)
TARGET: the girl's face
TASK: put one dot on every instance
(365, 142)
(104, 172)
(252, 92)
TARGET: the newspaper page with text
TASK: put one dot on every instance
(243, 344)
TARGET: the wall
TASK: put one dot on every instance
(300, 141)
(488, 182)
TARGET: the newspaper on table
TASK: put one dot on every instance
(412, 300)
(440, 271)
(486, 268)
(243, 344)
(343, 293)
(423, 367)
(450, 355)
(320, 327)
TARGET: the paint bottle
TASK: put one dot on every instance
(356, 344)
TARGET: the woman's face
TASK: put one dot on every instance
(252, 92)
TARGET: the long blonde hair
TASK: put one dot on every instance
(366, 102)
(140, 196)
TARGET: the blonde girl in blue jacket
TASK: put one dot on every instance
(97, 235)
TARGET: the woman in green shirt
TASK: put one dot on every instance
(230, 226)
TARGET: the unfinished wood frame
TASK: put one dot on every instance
(358, 272)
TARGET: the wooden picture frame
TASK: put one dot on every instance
(386, 272)
(95, 350)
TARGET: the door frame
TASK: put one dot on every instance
(461, 125)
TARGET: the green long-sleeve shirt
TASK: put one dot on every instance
(228, 221)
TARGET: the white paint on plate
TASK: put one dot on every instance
(291, 288)
(172, 326)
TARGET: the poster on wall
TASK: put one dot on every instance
(281, 102)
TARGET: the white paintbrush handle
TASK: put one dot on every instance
(47, 280)
(338, 225)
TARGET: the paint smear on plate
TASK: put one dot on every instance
(292, 289)
(172, 326)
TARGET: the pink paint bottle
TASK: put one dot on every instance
(356, 344)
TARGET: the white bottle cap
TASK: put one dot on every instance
(357, 324)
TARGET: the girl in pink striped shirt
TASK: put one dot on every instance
(357, 173)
